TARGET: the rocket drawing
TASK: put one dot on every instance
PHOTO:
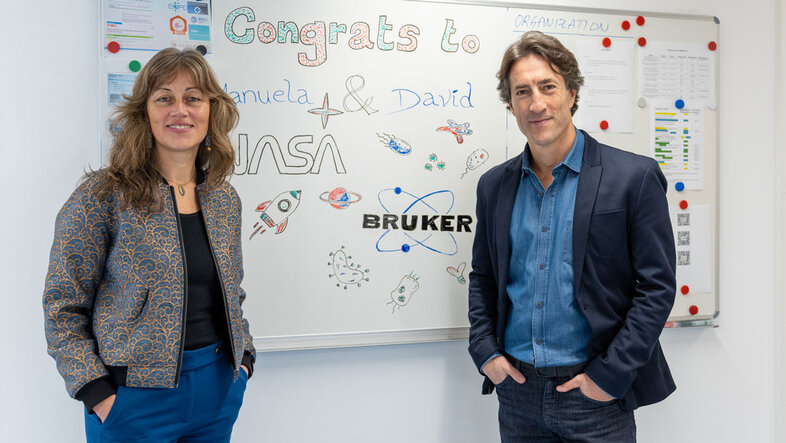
(276, 212)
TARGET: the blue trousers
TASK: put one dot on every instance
(203, 408)
(535, 412)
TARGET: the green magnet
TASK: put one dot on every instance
(134, 66)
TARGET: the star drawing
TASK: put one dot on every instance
(325, 110)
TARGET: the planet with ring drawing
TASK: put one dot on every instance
(340, 198)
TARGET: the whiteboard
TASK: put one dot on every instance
(363, 131)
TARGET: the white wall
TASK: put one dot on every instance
(409, 393)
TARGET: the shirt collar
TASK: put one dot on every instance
(572, 160)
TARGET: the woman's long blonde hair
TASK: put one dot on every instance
(131, 170)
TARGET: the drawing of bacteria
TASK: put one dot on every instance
(459, 130)
(477, 158)
(403, 293)
(345, 272)
(395, 144)
(434, 162)
(458, 272)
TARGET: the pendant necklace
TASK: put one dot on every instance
(180, 187)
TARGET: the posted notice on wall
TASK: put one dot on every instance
(677, 143)
(607, 94)
(148, 25)
(677, 71)
(692, 228)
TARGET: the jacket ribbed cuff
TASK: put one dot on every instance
(92, 393)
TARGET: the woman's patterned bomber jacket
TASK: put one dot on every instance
(114, 293)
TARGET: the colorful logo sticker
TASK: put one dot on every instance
(178, 25)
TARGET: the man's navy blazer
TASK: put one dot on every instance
(623, 264)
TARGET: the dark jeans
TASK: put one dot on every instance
(536, 412)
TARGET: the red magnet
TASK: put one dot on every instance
(684, 204)
(604, 125)
(606, 42)
(684, 289)
(642, 41)
(640, 21)
(712, 45)
(693, 310)
(113, 47)
(626, 25)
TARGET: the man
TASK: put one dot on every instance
(572, 267)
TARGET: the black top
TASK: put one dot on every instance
(206, 321)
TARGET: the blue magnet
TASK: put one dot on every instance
(405, 248)
(679, 104)
(397, 191)
(679, 186)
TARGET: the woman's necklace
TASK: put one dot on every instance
(180, 186)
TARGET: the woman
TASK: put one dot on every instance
(142, 301)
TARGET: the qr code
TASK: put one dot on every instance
(683, 238)
(683, 258)
(683, 219)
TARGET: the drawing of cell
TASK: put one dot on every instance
(459, 130)
(402, 294)
(458, 272)
(395, 144)
(346, 272)
(477, 158)
(432, 162)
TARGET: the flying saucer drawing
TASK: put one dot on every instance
(340, 198)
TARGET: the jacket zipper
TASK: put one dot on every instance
(185, 288)
(221, 283)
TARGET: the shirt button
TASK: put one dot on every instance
(544, 229)
(539, 341)
(541, 266)
(538, 305)
(540, 194)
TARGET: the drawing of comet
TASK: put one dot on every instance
(276, 212)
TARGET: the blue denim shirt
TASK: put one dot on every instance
(545, 326)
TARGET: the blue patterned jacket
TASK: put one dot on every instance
(114, 293)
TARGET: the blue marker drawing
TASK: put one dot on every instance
(434, 204)
(395, 144)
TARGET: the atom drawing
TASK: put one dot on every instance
(395, 144)
(477, 158)
(458, 272)
(345, 272)
(340, 198)
(398, 201)
(403, 293)
(459, 130)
